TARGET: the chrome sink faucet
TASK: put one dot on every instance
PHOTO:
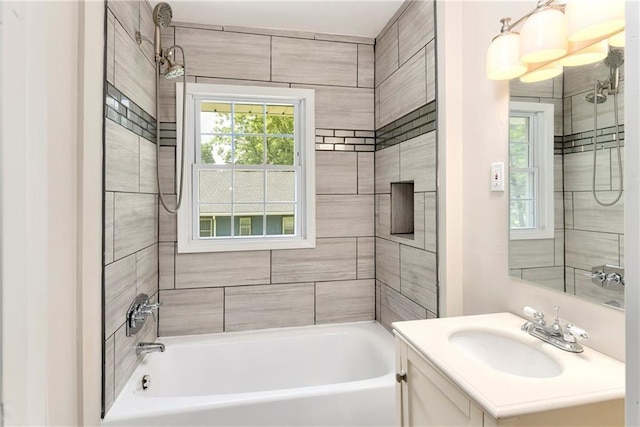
(565, 338)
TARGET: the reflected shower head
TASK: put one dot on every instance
(174, 69)
(614, 59)
(599, 98)
(162, 15)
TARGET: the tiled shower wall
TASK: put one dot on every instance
(130, 190)
(405, 82)
(235, 291)
(542, 260)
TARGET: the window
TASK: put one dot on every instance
(249, 164)
(531, 171)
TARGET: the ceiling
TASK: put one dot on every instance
(364, 18)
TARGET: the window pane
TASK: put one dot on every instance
(519, 155)
(249, 223)
(522, 185)
(206, 226)
(249, 150)
(248, 186)
(280, 119)
(280, 151)
(276, 222)
(248, 118)
(215, 186)
(281, 186)
(215, 117)
(522, 214)
(518, 129)
(220, 217)
(215, 149)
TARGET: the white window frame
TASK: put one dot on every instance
(189, 240)
(541, 123)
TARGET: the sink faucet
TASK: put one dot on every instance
(148, 347)
(565, 338)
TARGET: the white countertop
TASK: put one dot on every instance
(586, 378)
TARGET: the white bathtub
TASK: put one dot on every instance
(337, 375)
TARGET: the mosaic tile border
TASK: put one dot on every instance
(345, 140)
(418, 122)
(125, 112)
(583, 141)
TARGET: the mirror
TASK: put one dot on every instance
(560, 235)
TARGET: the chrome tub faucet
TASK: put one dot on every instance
(148, 347)
(565, 338)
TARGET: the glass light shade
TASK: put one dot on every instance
(543, 37)
(549, 71)
(617, 40)
(589, 19)
(587, 55)
(502, 57)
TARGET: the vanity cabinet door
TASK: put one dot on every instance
(429, 399)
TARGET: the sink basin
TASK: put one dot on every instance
(505, 354)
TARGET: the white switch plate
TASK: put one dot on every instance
(497, 176)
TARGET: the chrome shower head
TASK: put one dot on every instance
(174, 69)
(614, 59)
(162, 15)
(598, 98)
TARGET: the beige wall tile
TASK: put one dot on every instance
(168, 170)
(219, 81)
(387, 168)
(345, 301)
(127, 12)
(568, 210)
(558, 210)
(586, 249)
(566, 112)
(191, 311)
(147, 270)
(269, 306)
(430, 225)
(331, 259)
(377, 108)
(136, 225)
(148, 180)
(621, 247)
(582, 111)
(531, 253)
(580, 79)
(167, 97)
(589, 215)
(378, 299)
(366, 183)
(119, 291)
(558, 245)
(108, 227)
(205, 270)
(134, 74)
(168, 226)
(615, 169)
(345, 39)
(223, 54)
(147, 28)
(418, 162)
(415, 28)
(111, 34)
(366, 57)
(419, 276)
(336, 173)
(125, 358)
(551, 277)
(121, 158)
(558, 174)
(569, 280)
(314, 62)
(386, 54)
(109, 373)
(395, 307)
(578, 170)
(167, 265)
(388, 263)
(405, 90)
(342, 107)
(366, 258)
(431, 71)
(344, 215)
(383, 216)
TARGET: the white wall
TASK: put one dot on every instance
(482, 123)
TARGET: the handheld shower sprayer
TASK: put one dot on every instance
(162, 15)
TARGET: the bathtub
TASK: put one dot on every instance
(335, 375)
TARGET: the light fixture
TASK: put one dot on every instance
(617, 40)
(585, 54)
(556, 33)
(538, 74)
(590, 19)
(503, 55)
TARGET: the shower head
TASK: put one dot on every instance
(614, 59)
(598, 98)
(162, 15)
(174, 69)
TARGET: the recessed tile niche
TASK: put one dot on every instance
(402, 222)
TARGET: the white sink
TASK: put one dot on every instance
(505, 354)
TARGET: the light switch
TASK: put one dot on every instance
(497, 176)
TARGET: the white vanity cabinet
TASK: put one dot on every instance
(443, 388)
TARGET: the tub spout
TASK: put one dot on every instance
(148, 347)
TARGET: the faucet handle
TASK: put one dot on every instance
(571, 332)
(535, 314)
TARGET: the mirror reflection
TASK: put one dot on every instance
(566, 199)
